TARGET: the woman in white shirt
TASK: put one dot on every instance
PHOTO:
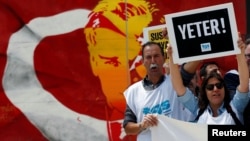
(213, 106)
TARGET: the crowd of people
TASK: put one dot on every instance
(221, 99)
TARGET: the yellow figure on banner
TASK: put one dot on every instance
(114, 43)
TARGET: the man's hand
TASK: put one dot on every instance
(149, 120)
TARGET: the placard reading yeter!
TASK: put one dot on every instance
(203, 33)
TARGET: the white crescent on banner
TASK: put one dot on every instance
(22, 87)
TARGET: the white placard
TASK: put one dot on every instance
(203, 33)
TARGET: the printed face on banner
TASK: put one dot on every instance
(203, 33)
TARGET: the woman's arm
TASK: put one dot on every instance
(240, 100)
(176, 78)
(242, 67)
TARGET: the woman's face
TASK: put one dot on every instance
(215, 91)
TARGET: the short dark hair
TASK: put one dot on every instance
(203, 71)
(247, 42)
(149, 43)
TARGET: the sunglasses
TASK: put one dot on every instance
(210, 87)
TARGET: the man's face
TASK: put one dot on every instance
(153, 60)
(212, 67)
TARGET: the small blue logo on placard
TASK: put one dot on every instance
(205, 47)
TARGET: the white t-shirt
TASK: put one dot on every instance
(224, 118)
(162, 100)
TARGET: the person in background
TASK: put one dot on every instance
(151, 96)
(213, 105)
(194, 85)
(232, 81)
(192, 76)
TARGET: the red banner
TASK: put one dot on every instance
(65, 64)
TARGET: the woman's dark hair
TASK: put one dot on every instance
(203, 100)
(149, 43)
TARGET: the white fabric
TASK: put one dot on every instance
(24, 90)
(169, 129)
(233, 72)
(224, 118)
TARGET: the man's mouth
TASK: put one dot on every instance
(153, 66)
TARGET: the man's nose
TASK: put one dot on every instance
(153, 59)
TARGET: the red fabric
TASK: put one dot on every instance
(54, 55)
